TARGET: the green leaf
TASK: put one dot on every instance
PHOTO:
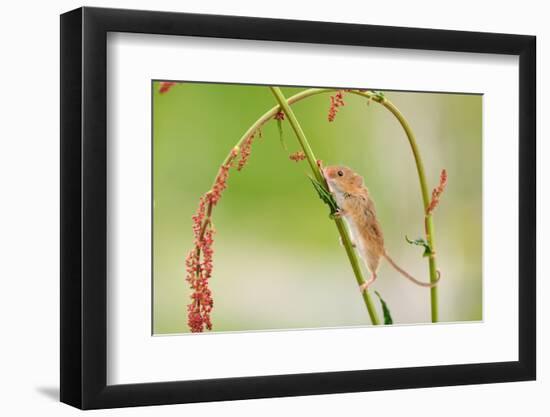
(281, 138)
(325, 195)
(378, 96)
(421, 242)
(385, 309)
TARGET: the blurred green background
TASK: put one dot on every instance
(277, 262)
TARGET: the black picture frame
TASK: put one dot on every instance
(84, 207)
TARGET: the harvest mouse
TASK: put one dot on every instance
(357, 209)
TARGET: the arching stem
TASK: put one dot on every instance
(428, 222)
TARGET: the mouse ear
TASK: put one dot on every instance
(358, 180)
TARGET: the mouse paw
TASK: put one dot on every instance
(365, 286)
(338, 214)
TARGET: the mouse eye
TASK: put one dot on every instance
(340, 173)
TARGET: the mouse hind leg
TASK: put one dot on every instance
(373, 262)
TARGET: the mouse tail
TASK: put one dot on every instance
(410, 277)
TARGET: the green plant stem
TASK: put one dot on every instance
(429, 227)
(320, 177)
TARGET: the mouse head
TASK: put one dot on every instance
(342, 179)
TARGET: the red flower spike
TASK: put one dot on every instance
(246, 149)
(165, 86)
(198, 274)
(220, 184)
(199, 261)
(436, 193)
(280, 115)
(336, 101)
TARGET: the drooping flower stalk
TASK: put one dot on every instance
(277, 113)
(199, 262)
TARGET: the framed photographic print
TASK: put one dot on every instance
(256, 207)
